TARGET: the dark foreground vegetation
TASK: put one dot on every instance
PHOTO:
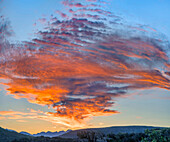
(153, 135)
(44, 139)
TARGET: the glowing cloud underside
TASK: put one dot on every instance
(84, 60)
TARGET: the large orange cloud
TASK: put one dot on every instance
(78, 66)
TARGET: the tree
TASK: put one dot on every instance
(92, 136)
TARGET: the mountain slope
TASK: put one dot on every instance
(109, 130)
(12, 136)
(7, 136)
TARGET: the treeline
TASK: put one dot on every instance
(152, 135)
(43, 139)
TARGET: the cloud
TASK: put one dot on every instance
(77, 5)
(79, 65)
(39, 115)
(63, 15)
(42, 20)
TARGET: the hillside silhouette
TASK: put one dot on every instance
(108, 134)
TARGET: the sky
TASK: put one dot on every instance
(71, 64)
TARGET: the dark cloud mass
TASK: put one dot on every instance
(83, 61)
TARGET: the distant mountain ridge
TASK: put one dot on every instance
(25, 133)
(46, 134)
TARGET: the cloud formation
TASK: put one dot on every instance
(83, 61)
(38, 115)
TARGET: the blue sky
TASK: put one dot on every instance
(24, 13)
(147, 105)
